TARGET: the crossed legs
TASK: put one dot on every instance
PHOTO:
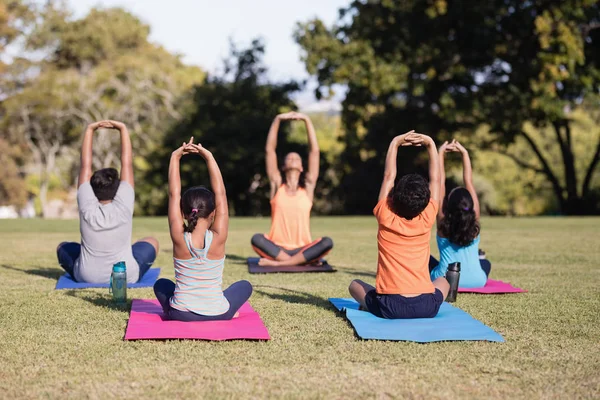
(359, 289)
(276, 256)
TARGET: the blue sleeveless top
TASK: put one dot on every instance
(198, 281)
(471, 273)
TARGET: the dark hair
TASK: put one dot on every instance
(459, 225)
(410, 196)
(197, 202)
(105, 183)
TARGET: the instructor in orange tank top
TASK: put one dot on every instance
(292, 189)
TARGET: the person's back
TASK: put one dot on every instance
(471, 273)
(105, 234)
(403, 250)
(199, 280)
(405, 213)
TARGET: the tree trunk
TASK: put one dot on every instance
(546, 170)
(573, 204)
(44, 195)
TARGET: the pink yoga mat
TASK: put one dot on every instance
(493, 287)
(146, 322)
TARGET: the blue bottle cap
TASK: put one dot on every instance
(119, 267)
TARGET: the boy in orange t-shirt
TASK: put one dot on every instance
(406, 213)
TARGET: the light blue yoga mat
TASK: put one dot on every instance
(451, 323)
(67, 282)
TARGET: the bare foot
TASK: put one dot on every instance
(265, 262)
(283, 256)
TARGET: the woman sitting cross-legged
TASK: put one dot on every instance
(199, 248)
(289, 241)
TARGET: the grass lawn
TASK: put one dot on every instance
(70, 343)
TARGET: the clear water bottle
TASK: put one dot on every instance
(453, 276)
(118, 283)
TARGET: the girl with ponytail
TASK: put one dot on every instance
(199, 248)
(458, 226)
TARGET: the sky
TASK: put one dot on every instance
(200, 31)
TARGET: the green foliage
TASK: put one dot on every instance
(99, 67)
(230, 115)
(449, 66)
(103, 34)
(12, 186)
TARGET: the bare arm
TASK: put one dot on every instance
(314, 154)
(418, 139)
(271, 155)
(468, 176)
(85, 169)
(442, 156)
(126, 153)
(174, 212)
(389, 174)
(220, 226)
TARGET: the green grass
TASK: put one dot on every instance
(70, 343)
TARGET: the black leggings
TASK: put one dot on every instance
(486, 266)
(311, 252)
(236, 294)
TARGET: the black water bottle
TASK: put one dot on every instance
(453, 276)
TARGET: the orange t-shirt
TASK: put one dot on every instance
(403, 262)
(290, 219)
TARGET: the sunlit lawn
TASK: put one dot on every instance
(57, 344)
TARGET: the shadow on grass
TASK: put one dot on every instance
(235, 259)
(49, 273)
(98, 299)
(294, 296)
(357, 273)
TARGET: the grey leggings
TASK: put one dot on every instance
(312, 252)
(236, 294)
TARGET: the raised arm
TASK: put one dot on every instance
(85, 169)
(175, 218)
(126, 152)
(220, 226)
(468, 175)
(442, 156)
(314, 153)
(389, 174)
(418, 139)
(271, 155)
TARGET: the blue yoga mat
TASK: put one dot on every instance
(451, 323)
(66, 282)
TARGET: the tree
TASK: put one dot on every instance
(38, 117)
(99, 67)
(445, 66)
(12, 186)
(230, 115)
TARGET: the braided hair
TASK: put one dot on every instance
(459, 225)
(197, 202)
